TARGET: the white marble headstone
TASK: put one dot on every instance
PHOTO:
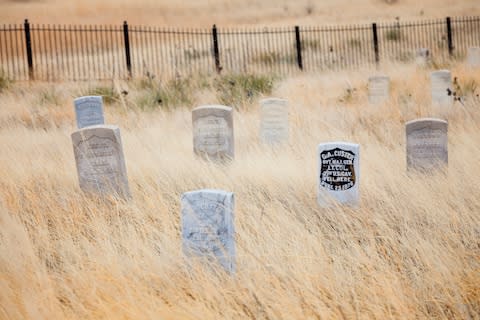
(473, 57)
(208, 226)
(89, 111)
(441, 84)
(100, 161)
(338, 173)
(427, 144)
(422, 56)
(378, 89)
(213, 132)
(273, 121)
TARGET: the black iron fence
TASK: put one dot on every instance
(79, 52)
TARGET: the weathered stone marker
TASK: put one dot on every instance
(208, 226)
(473, 56)
(273, 121)
(441, 82)
(422, 56)
(378, 89)
(89, 111)
(427, 144)
(100, 161)
(338, 173)
(213, 132)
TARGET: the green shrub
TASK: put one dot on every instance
(272, 58)
(145, 83)
(348, 95)
(464, 88)
(5, 81)
(194, 54)
(313, 44)
(174, 93)
(108, 93)
(437, 63)
(267, 58)
(354, 43)
(393, 34)
(236, 89)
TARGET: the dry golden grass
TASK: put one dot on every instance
(411, 250)
(229, 12)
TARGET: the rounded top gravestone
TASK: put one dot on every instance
(422, 56)
(100, 161)
(473, 57)
(208, 225)
(213, 132)
(378, 89)
(89, 111)
(212, 106)
(338, 173)
(441, 87)
(427, 144)
(273, 121)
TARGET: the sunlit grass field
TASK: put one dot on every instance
(411, 250)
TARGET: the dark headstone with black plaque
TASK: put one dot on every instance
(338, 174)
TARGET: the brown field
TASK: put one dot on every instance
(411, 250)
(204, 13)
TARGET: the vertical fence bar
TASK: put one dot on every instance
(244, 44)
(58, 51)
(49, 53)
(3, 57)
(216, 52)
(171, 43)
(127, 49)
(285, 46)
(110, 54)
(83, 50)
(75, 33)
(37, 47)
(98, 53)
(90, 55)
(17, 55)
(28, 43)
(375, 43)
(299, 47)
(449, 37)
(9, 49)
(255, 34)
(65, 55)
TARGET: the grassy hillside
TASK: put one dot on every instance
(410, 251)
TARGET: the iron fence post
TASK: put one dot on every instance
(298, 42)
(375, 43)
(216, 51)
(28, 43)
(127, 48)
(449, 37)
